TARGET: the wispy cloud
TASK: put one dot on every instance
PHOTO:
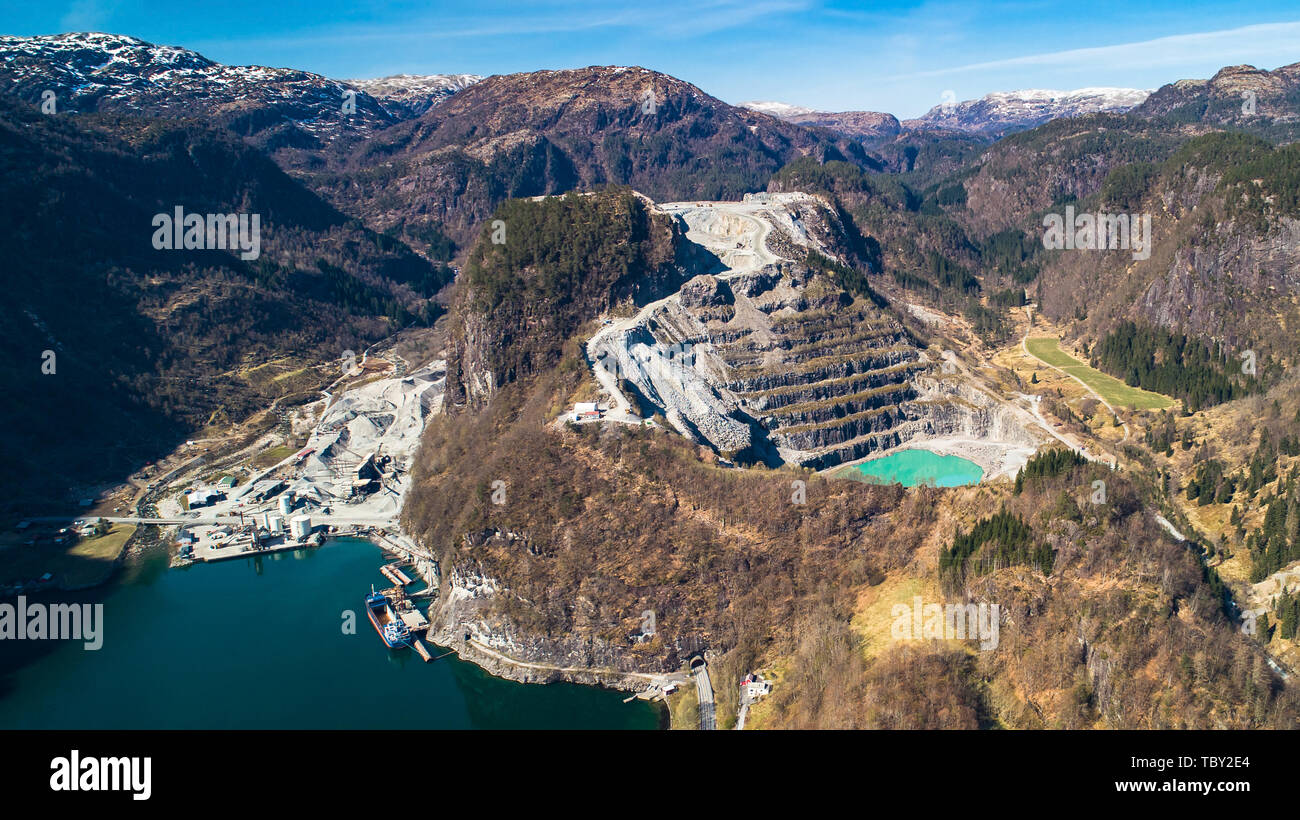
(670, 18)
(1257, 43)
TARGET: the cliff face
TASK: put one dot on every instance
(1223, 263)
(543, 268)
(473, 616)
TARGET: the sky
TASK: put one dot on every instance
(899, 56)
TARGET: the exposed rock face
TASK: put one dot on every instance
(1224, 276)
(705, 291)
(468, 618)
(675, 377)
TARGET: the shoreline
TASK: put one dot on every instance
(449, 637)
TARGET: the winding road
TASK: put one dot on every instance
(1024, 345)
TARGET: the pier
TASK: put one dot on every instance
(208, 553)
(393, 572)
(421, 650)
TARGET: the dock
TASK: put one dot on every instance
(393, 572)
(414, 619)
(420, 649)
(209, 553)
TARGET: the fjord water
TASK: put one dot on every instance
(913, 468)
(258, 643)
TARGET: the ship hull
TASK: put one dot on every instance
(380, 616)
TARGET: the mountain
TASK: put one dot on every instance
(545, 132)
(150, 344)
(274, 108)
(990, 116)
(407, 96)
(849, 123)
(779, 110)
(1242, 96)
(1008, 111)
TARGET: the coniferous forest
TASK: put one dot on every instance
(1170, 363)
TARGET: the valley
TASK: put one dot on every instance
(657, 393)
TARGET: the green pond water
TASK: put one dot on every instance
(258, 643)
(913, 468)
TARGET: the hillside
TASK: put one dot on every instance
(1238, 97)
(1222, 267)
(151, 344)
(282, 111)
(548, 132)
(554, 540)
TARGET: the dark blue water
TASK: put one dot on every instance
(258, 643)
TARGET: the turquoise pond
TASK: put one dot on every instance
(913, 468)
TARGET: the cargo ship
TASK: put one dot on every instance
(386, 621)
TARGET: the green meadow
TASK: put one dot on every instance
(1119, 394)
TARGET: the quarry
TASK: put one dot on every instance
(764, 358)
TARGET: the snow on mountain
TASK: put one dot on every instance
(410, 95)
(779, 110)
(1005, 111)
(273, 107)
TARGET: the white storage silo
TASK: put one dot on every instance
(300, 527)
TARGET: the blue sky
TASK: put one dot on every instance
(891, 56)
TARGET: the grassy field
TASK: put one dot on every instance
(1119, 394)
(684, 707)
(274, 455)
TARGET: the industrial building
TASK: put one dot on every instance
(203, 498)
